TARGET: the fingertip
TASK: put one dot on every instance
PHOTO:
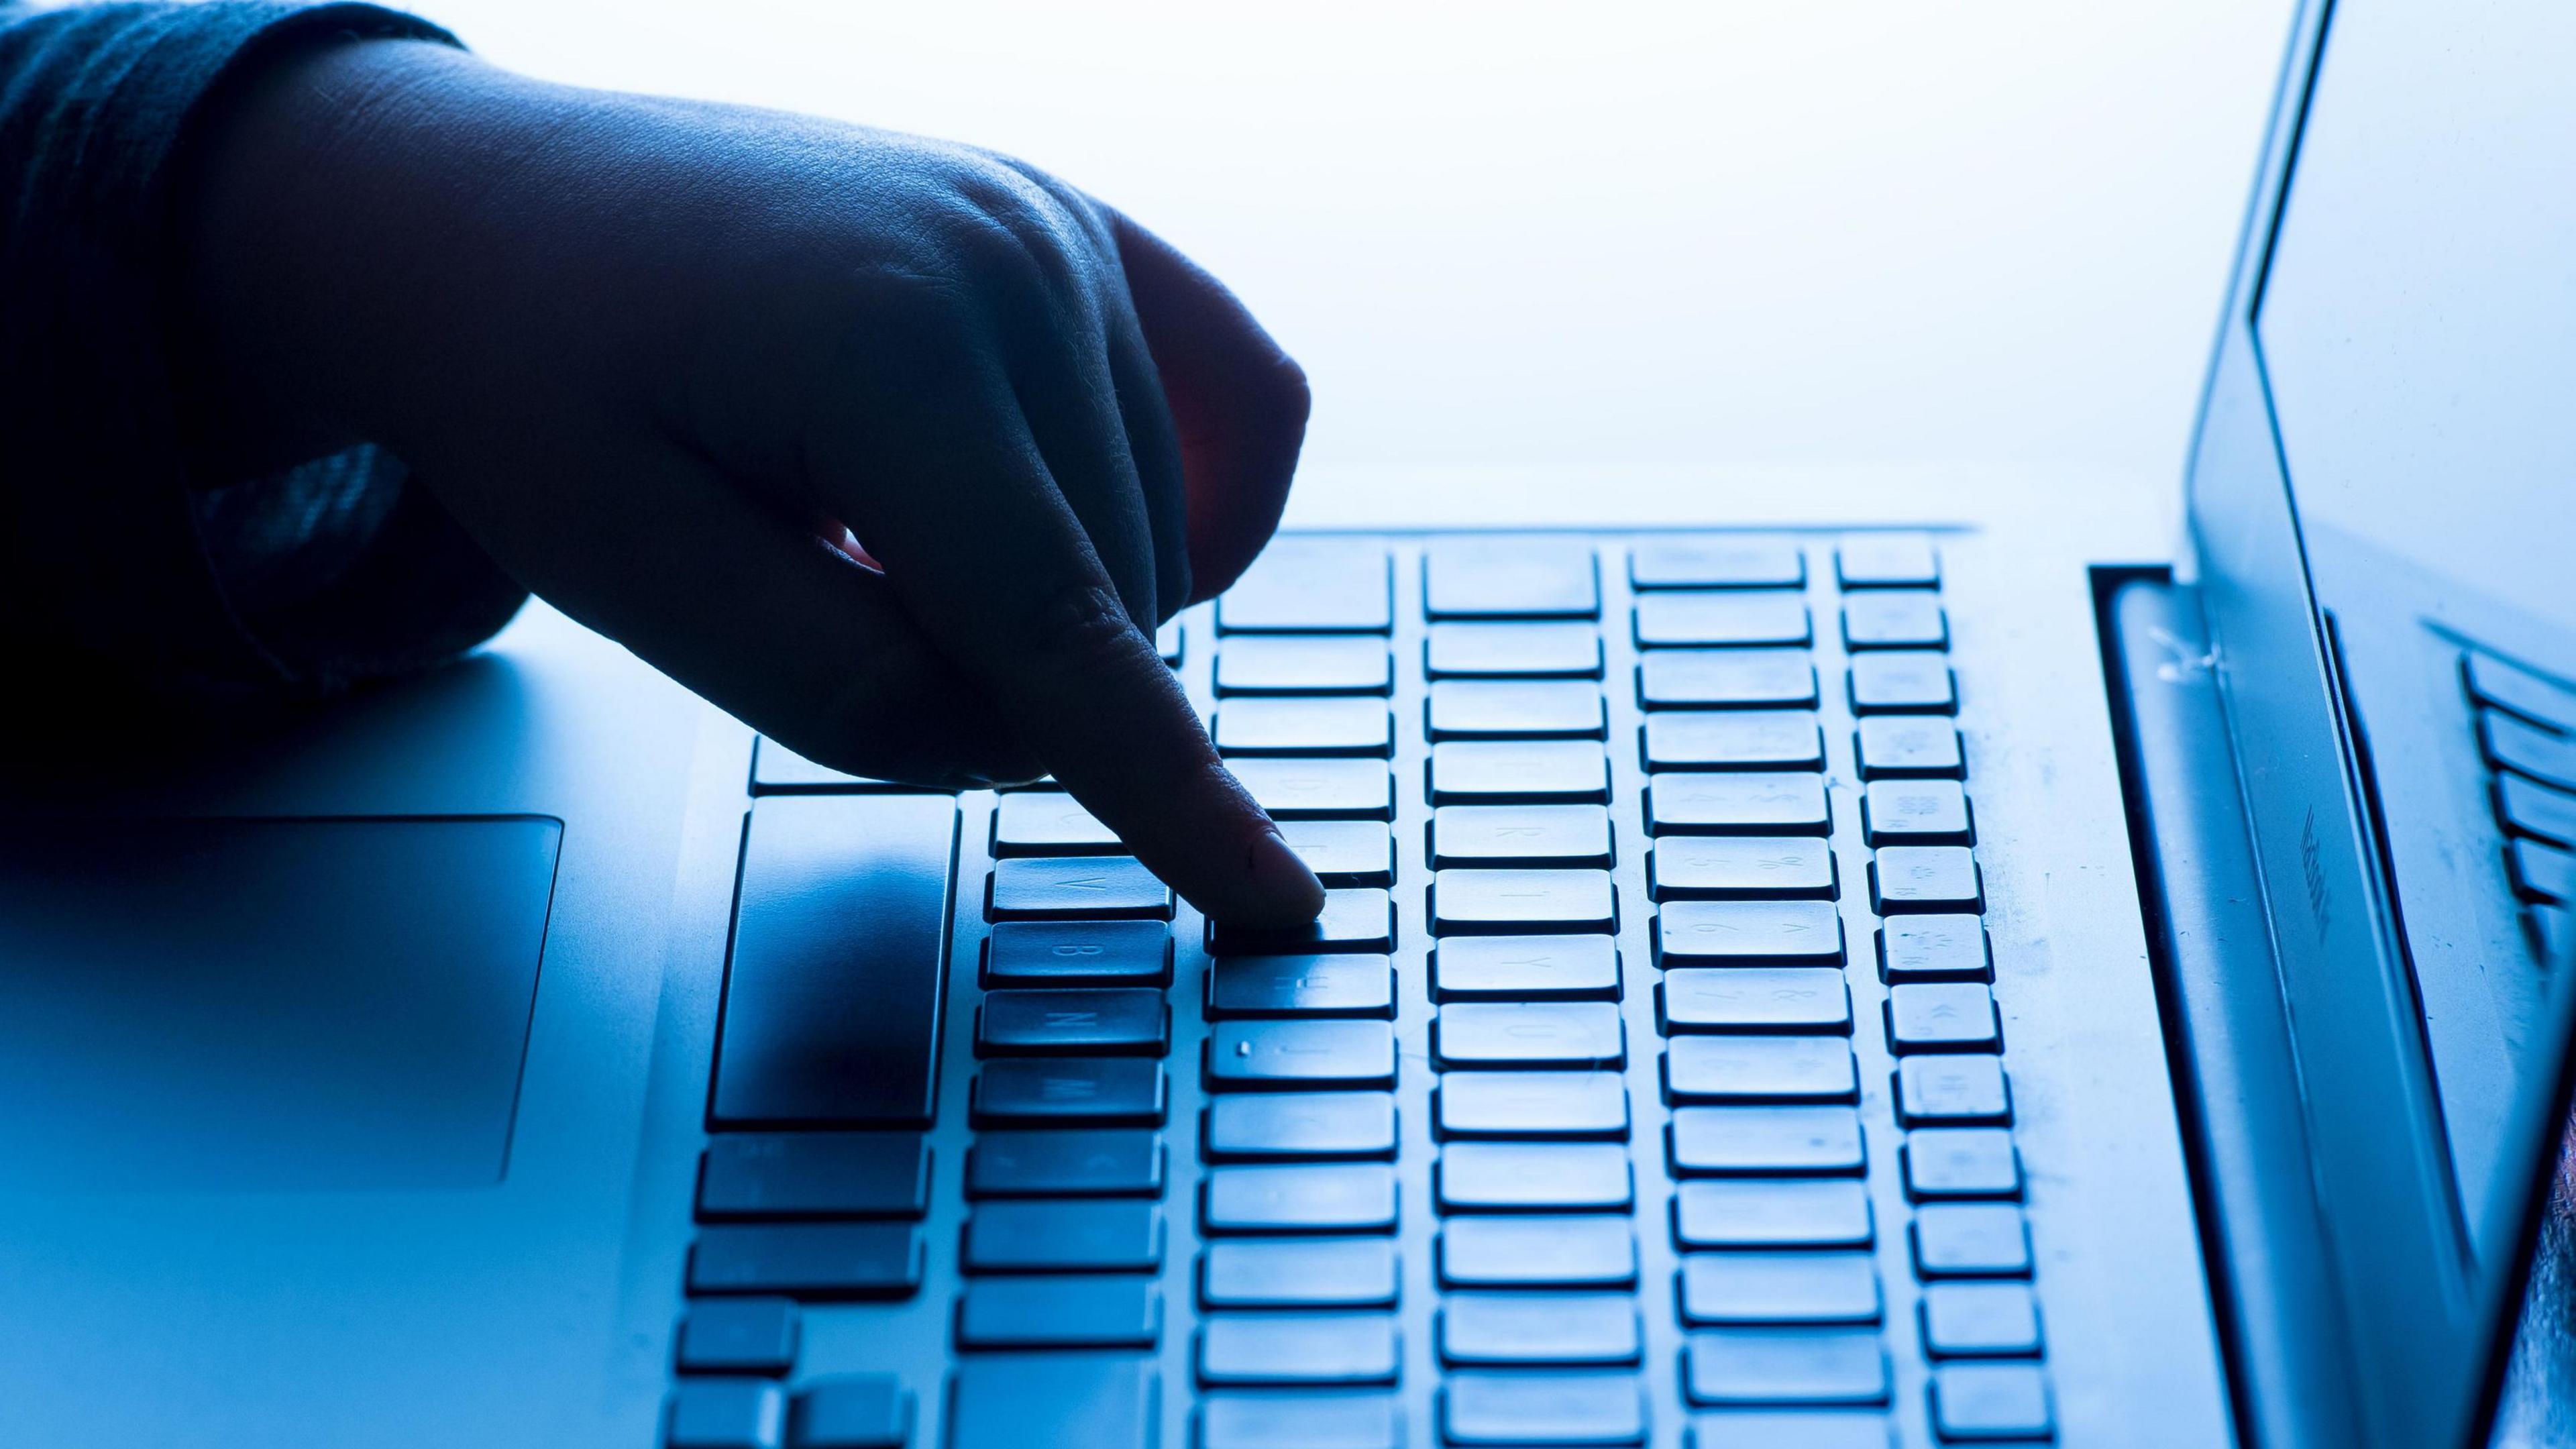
(1276, 887)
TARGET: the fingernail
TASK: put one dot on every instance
(1282, 880)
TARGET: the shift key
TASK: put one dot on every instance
(831, 1013)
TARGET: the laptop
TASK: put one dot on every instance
(1913, 972)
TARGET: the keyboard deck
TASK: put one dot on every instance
(1642, 1082)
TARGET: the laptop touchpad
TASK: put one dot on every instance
(267, 1004)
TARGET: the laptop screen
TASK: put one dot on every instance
(2416, 331)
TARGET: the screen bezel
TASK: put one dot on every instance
(2427, 1327)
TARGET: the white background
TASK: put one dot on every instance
(1508, 234)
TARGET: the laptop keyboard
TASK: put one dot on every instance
(1643, 1080)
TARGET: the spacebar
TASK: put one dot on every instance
(831, 1012)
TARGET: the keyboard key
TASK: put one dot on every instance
(1759, 1069)
(1726, 679)
(1951, 1091)
(1299, 1273)
(1902, 681)
(1106, 1021)
(1743, 739)
(1529, 1034)
(1520, 1330)
(1512, 651)
(1956, 1162)
(739, 1336)
(1714, 867)
(1722, 619)
(1802, 999)
(1109, 887)
(1563, 837)
(1328, 724)
(1756, 1214)
(2510, 744)
(1915, 812)
(1778, 1288)
(2542, 872)
(1301, 1419)
(776, 768)
(2529, 808)
(1066, 1092)
(1942, 1016)
(1897, 619)
(1343, 852)
(1532, 1176)
(1077, 1312)
(1078, 953)
(1310, 985)
(1319, 789)
(808, 1260)
(1970, 1240)
(852, 1411)
(1753, 803)
(1099, 1401)
(1354, 919)
(1980, 1320)
(1123, 1162)
(1269, 1054)
(1717, 563)
(1887, 561)
(1522, 902)
(1898, 746)
(1292, 1125)
(1764, 1141)
(1543, 1409)
(1510, 578)
(1326, 585)
(1522, 772)
(1533, 1104)
(1784, 1366)
(1304, 664)
(1049, 822)
(1537, 1252)
(1790, 1429)
(1729, 932)
(725, 1414)
(823, 1025)
(1924, 878)
(1515, 709)
(1168, 642)
(1525, 968)
(2543, 701)
(814, 1175)
(1991, 1401)
(1354, 1197)
(1933, 948)
(1080, 1236)
(1347, 1349)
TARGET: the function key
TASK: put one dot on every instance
(1520, 902)
(1543, 1408)
(1951, 1091)
(1887, 561)
(1049, 822)
(1083, 1312)
(1970, 1240)
(1765, 1142)
(1797, 999)
(1933, 948)
(1549, 1251)
(1750, 802)
(1278, 1420)
(1298, 1273)
(1727, 933)
(1516, 709)
(1110, 1162)
(1752, 739)
(1343, 852)
(1785, 1366)
(1100, 1401)
(1090, 1021)
(1760, 1069)
(1717, 563)
(1894, 746)
(1980, 1320)
(1524, 651)
(2537, 698)
(1712, 867)
(1510, 578)
(852, 1411)
(1895, 619)
(1942, 1016)
(814, 1175)
(1779, 1288)
(1667, 621)
(1726, 679)
(1569, 1330)
(1111, 887)
(1915, 812)
(1352, 1197)
(739, 1336)
(1304, 664)
(1353, 919)
(1525, 968)
(1357, 984)
(1064, 1092)
(1101, 1235)
(1984, 1401)
(1290, 1126)
(1533, 1105)
(1564, 837)
(1961, 1162)
(1297, 1349)
(1322, 585)
(1319, 789)
(1331, 724)
(1078, 953)
(1274, 1054)
(1522, 772)
(1902, 681)
(1772, 1214)
(1474, 1034)
(1924, 878)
